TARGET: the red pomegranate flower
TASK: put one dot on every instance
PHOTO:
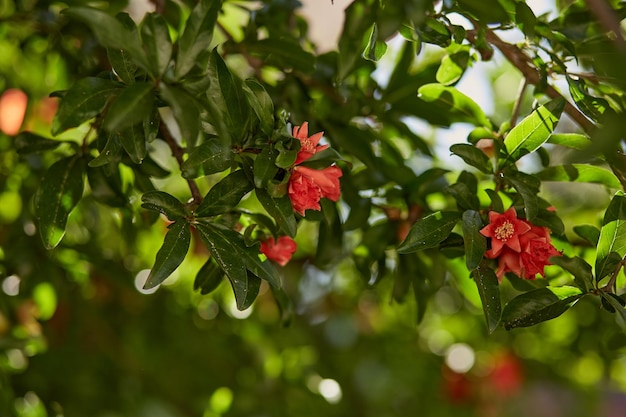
(307, 186)
(308, 144)
(504, 230)
(279, 251)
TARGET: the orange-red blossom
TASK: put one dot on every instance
(518, 245)
(280, 250)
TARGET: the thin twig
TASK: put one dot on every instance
(518, 102)
(178, 152)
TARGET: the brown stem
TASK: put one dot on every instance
(178, 152)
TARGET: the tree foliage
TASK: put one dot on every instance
(187, 139)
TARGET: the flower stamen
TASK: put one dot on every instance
(505, 231)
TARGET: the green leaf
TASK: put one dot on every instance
(612, 236)
(106, 187)
(171, 254)
(590, 233)
(579, 268)
(461, 108)
(225, 195)
(473, 156)
(156, 40)
(539, 305)
(534, 130)
(528, 187)
(133, 142)
(375, 48)
(133, 104)
(83, 101)
(465, 198)
(261, 103)
(228, 249)
(208, 278)
(570, 140)
(185, 111)
(489, 291)
(28, 142)
(60, 190)
(429, 231)
(110, 154)
(580, 173)
(164, 203)
(284, 53)
(122, 65)
(593, 107)
(617, 305)
(207, 158)
(110, 32)
(280, 209)
(226, 94)
(485, 11)
(452, 67)
(197, 35)
(475, 243)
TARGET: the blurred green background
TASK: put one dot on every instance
(79, 338)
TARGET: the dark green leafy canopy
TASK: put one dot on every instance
(429, 231)
(171, 254)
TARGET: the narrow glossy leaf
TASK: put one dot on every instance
(528, 187)
(60, 190)
(110, 154)
(465, 198)
(593, 107)
(461, 107)
(185, 111)
(132, 105)
(489, 12)
(164, 203)
(226, 92)
(375, 48)
(171, 255)
(265, 168)
(106, 187)
(156, 40)
(151, 125)
(226, 253)
(580, 173)
(83, 101)
(197, 35)
(261, 103)
(570, 140)
(496, 200)
(534, 130)
(284, 305)
(207, 158)
(225, 195)
(473, 156)
(122, 64)
(539, 305)
(208, 278)
(617, 304)
(280, 209)
(590, 233)
(612, 236)
(134, 143)
(28, 142)
(110, 32)
(579, 268)
(452, 67)
(475, 243)
(489, 291)
(429, 231)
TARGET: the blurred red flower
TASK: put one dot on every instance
(279, 251)
(307, 186)
(308, 144)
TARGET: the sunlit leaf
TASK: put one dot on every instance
(580, 173)
(460, 107)
(612, 236)
(375, 48)
(534, 130)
